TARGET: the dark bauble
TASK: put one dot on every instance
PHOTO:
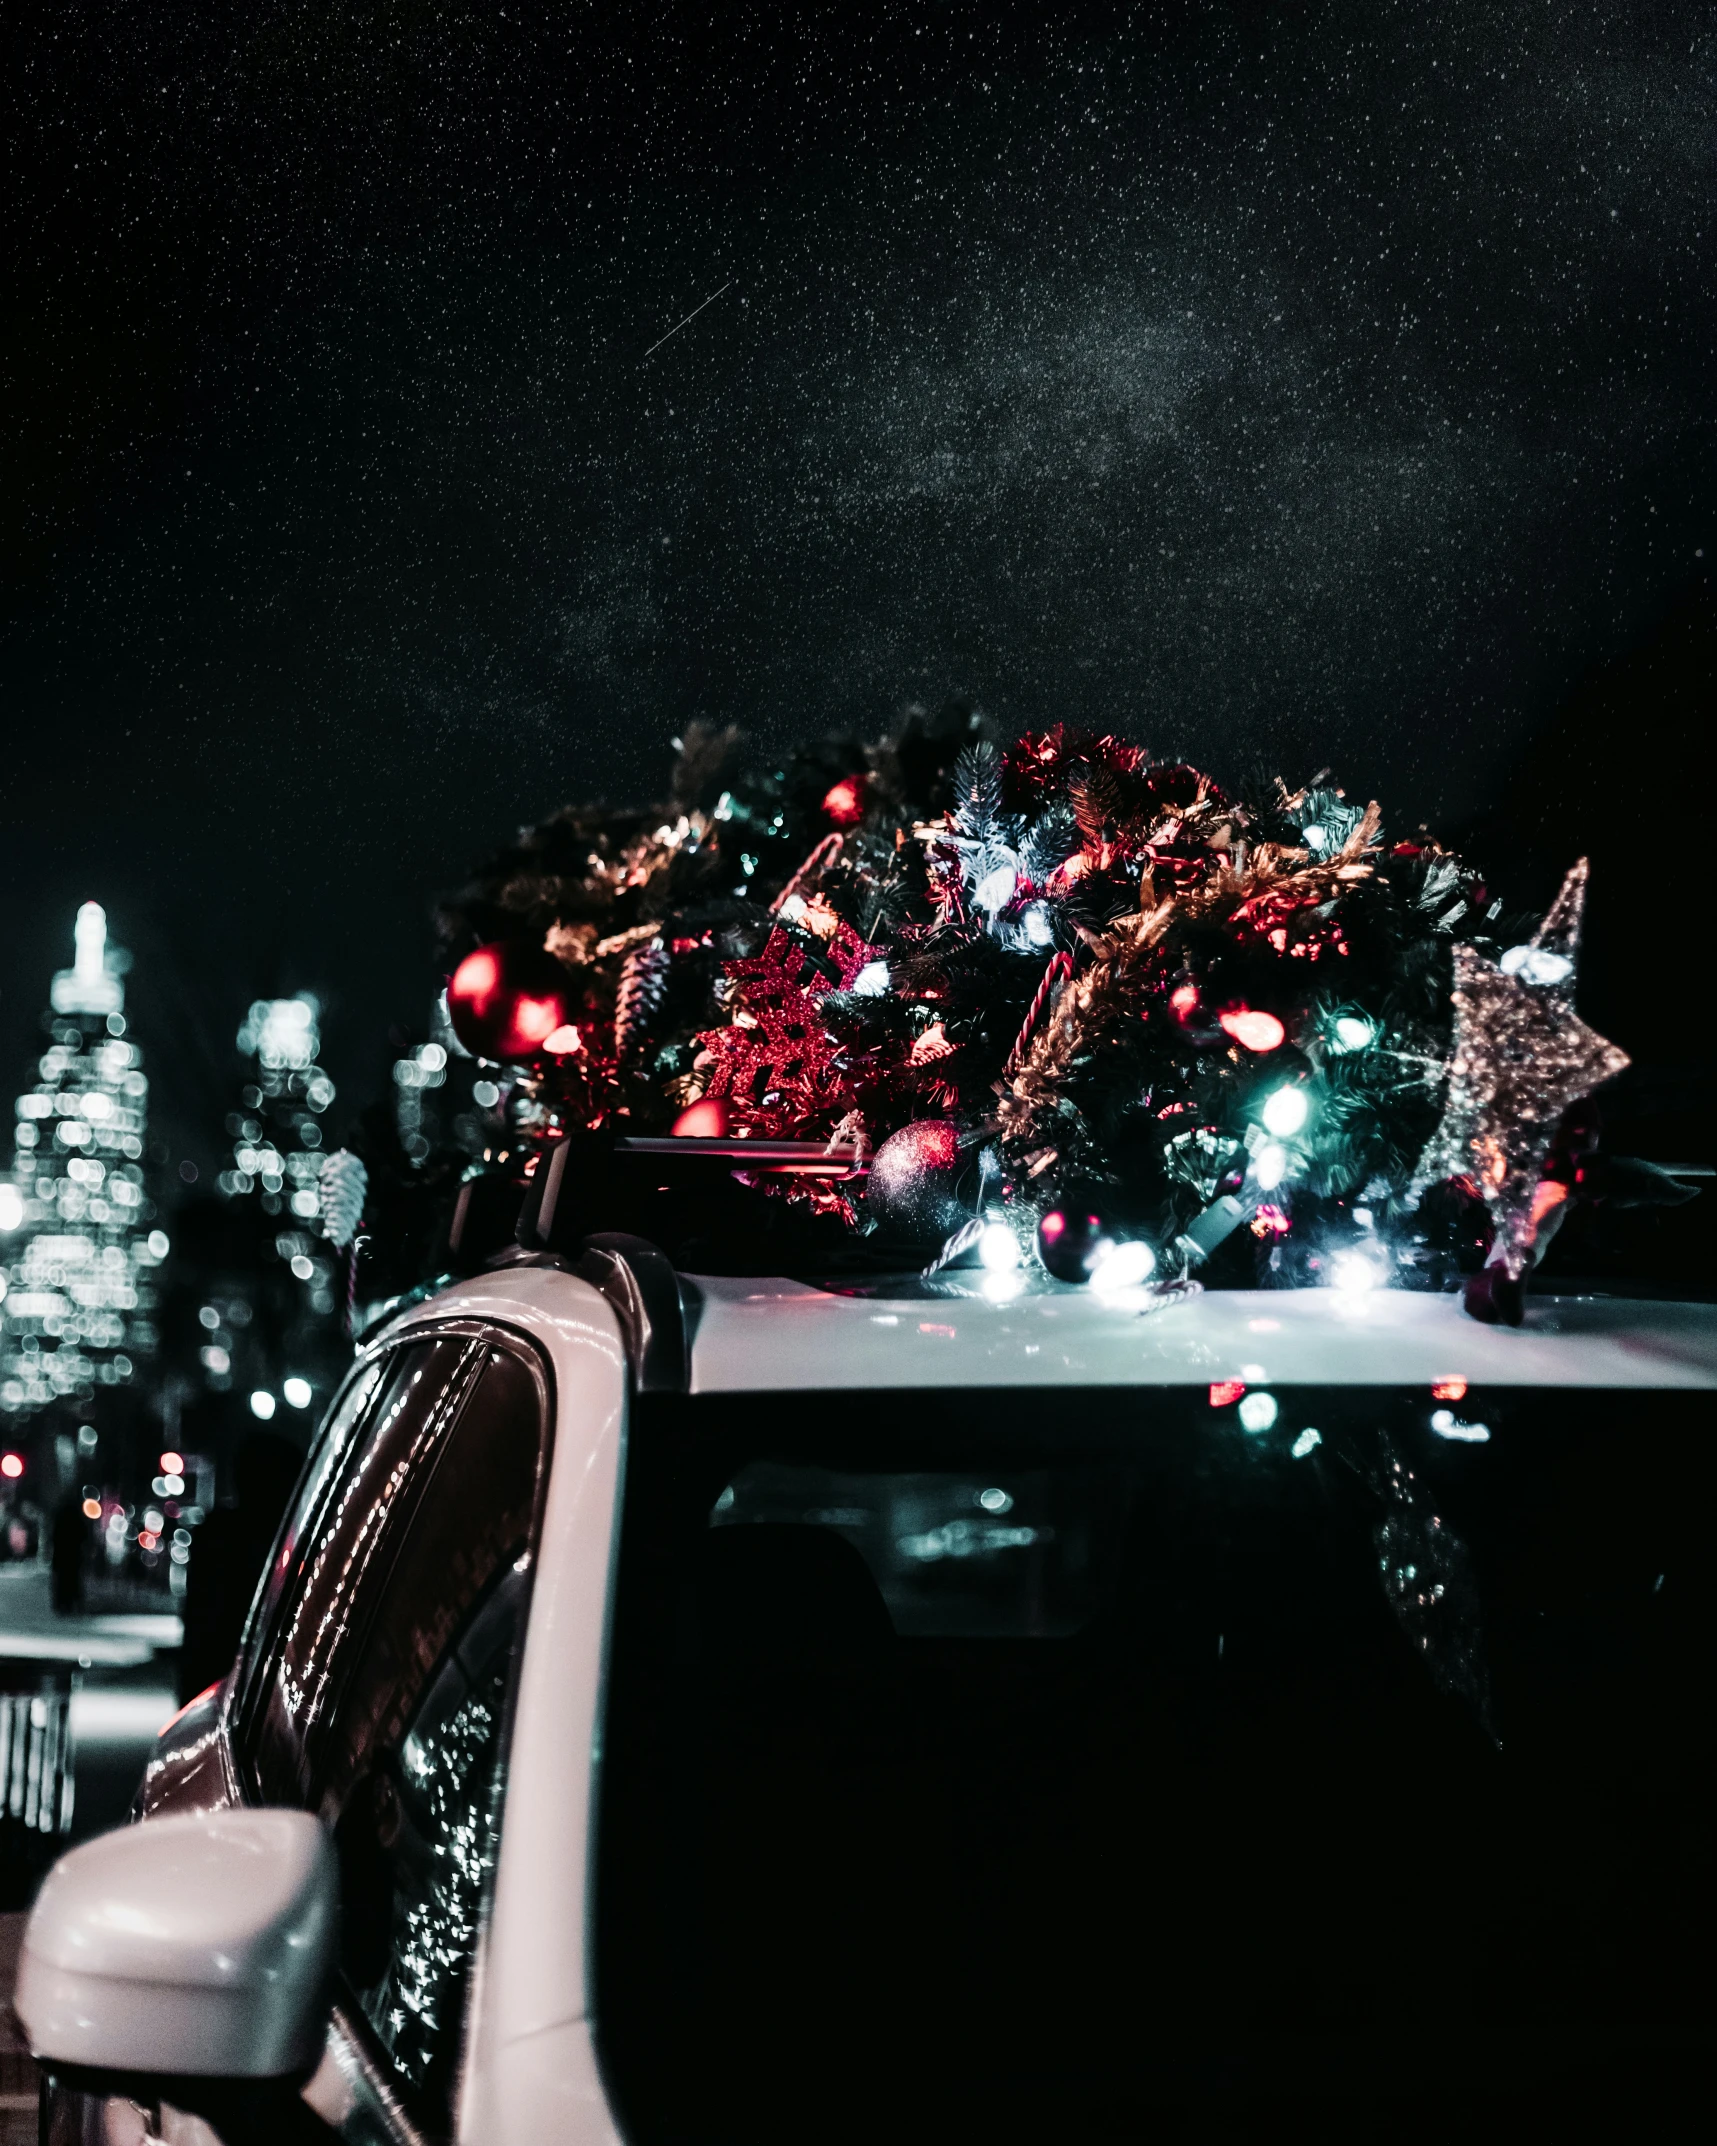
(1495, 1297)
(911, 1188)
(506, 1000)
(1071, 1238)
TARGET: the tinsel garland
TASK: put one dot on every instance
(1102, 971)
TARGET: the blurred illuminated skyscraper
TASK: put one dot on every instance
(76, 1241)
(269, 1300)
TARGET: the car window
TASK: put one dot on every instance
(392, 1679)
(1016, 1765)
(368, 1472)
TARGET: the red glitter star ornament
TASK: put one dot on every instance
(776, 1062)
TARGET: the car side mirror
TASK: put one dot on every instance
(195, 1947)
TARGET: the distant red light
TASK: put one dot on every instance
(11, 1466)
(172, 1464)
(845, 801)
(1254, 1031)
(1225, 1392)
(1449, 1389)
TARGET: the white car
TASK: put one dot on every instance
(710, 1710)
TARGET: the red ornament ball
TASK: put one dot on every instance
(506, 1000)
(708, 1120)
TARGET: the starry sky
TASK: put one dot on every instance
(1322, 383)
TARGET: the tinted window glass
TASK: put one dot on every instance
(410, 1764)
(1346, 1766)
(470, 1525)
(333, 1555)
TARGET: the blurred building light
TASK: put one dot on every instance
(262, 1404)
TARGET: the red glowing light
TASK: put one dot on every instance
(172, 1464)
(92, 1508)
(1184, 998)
(11, 1466)
(1053, 1224)
(1449, 1389)
(1225, 1392)
(147, 1539)
(563, 1041)
(1255, 1031)
(845, 802)
(1269, 1221)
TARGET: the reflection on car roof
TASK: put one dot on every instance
(760, 1335)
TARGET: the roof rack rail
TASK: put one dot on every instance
(639, 1281)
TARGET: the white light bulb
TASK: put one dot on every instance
(1257, 1411)
(297, 1392)
(1285, 1112)
(1123, 1266)
(872, 980)
(1270, 1167)
(1353, 1274)
(1353, 1034)
(1536, 965)
(1039, 925)
(262, 1404)
(995, 890)
(998, 1247)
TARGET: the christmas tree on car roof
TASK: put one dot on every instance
(951, 989)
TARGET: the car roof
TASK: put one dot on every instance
(753, 1335)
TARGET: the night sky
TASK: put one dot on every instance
(1300, 383)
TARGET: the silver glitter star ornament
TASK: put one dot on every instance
(1521, 1056)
